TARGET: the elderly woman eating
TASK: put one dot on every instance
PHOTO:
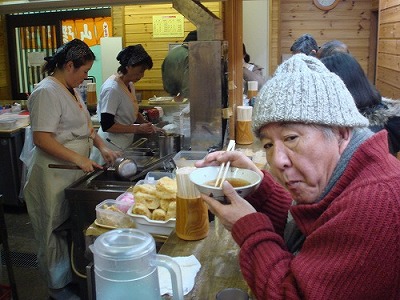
(325, 221)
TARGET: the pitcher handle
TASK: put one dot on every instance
(175, 271)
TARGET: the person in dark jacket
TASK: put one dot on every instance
(175, 69)
(382, 113)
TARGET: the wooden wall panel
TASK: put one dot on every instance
(388, 56)
(138, 29)
(389, 46)
(274, 36)
(118, 21)
(349, 22)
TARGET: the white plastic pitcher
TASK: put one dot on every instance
(125, 266)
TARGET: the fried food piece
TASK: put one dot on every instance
(144, 188)
(141, 209)
(165, 195)
(112, 208)
(166, 185)
(164, 204)
(171, 211)
(151, 201)
(158, 214)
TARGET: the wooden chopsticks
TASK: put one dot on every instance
(223, 170)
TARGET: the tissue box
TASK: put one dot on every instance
(109, 216)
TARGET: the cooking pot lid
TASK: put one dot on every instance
(124, 243)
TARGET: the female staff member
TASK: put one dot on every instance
(62, 133)
(251, 72)
(118, 107)
(339, 239)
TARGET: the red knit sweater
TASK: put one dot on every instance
(352, 246)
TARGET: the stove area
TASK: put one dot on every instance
(91, 189)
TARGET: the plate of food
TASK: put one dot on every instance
(153, 226)
(108, 213)
(103, 225)
(154, 210)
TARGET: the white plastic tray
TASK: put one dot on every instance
(153, 226)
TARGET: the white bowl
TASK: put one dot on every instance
(202, 176)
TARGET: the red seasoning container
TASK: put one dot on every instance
(153, 115)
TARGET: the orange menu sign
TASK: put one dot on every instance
(88, 30)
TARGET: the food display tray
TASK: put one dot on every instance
(153, 226)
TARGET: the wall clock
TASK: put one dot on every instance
(326, 4)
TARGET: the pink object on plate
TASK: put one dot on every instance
(125, 201)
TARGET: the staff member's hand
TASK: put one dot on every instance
(146, 128)
(87, 165)
(229, 214)
(109, 155)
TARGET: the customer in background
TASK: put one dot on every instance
(63, 134)
(118, 107)
(251, 71)
(332, 47)
(305, 44)
(382, 113)
(175, 69)
(324, 223)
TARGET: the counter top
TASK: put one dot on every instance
(218, 254)
(13, 130)
(147, 103)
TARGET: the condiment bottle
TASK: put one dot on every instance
(91, 98)
(191, 211)
(244, 134)
(252, 91)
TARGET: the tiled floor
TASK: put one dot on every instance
(30, 285)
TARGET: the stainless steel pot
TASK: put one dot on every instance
(170, 143)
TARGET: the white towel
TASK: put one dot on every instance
(189, 268)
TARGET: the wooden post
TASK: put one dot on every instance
(233, 25)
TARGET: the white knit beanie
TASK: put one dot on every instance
(303, 90)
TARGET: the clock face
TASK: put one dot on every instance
(326, 4)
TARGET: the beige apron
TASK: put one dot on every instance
(48, 209)
(120, 139)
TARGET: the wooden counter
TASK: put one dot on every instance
(218, 254)
(149, 104)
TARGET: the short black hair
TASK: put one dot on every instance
(305, 44)
(191, 37)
